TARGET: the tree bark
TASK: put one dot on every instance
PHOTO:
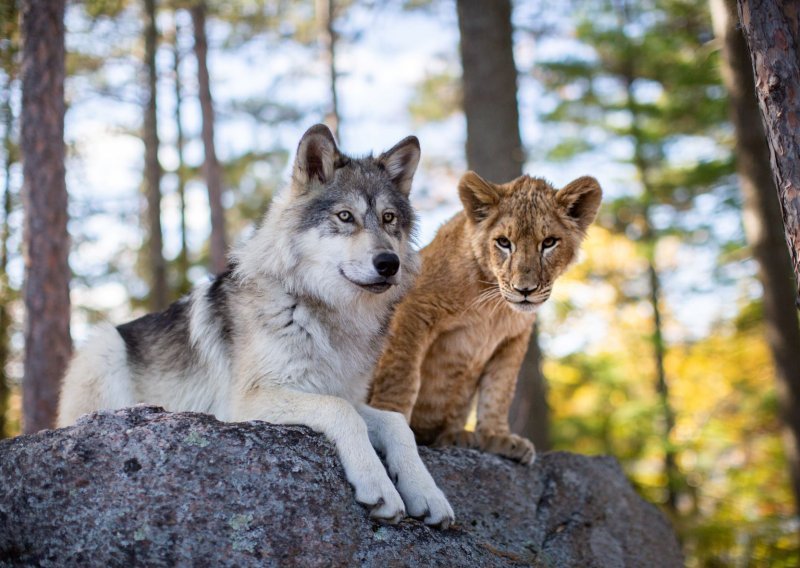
(47, 337)
(772, 30)
(763, 226)
(494, 150)
(326, 11)
(184, 285)
(211, 166)
(159, 295)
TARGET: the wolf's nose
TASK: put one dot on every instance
(386, 263)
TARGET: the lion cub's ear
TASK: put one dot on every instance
(401, 161)
(478, 196)
(316, 157)
(580, 200)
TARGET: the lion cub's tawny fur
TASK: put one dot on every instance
(464, 328)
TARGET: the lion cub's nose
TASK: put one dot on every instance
(386, 264)
(526, 291)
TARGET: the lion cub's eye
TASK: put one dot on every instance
(388, 217)
(549, 242)
(345, 216)
(503, 242)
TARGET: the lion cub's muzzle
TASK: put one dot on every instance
(527, 298)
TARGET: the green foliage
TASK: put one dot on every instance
(437, 97)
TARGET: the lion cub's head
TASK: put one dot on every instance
(525, 233)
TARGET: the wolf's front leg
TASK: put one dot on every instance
(339, 421)
(390, 434)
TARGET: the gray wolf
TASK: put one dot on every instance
(291, 333)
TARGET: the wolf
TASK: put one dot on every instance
(291, 332)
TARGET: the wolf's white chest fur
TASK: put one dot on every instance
(312, 348)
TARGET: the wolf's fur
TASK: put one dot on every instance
(290, 334)
(464, 328)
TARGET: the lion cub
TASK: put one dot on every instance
(464, 327)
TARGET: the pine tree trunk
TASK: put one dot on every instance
(326, 12)
(494, 150)
(772, 30)
(211, 167)
(184, 285)
(159, 295)
(763, 226)
(5, 231)
(650, 239)
(47, 337)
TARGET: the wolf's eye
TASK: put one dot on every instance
(388, 217)
(345, 216)
(549, 242)
(503, 242)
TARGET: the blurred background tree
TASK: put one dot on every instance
(662, 347)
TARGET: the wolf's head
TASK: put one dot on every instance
(346, 223)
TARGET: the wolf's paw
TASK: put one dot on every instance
(461, 438)
(510, 446)
(380, 496)
(426, 501)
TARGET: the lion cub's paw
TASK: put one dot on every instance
(510, 446)
(461, 438)
(379, 494)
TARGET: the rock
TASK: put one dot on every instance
(149, 488)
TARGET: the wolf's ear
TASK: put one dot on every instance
(580, 200)
(401, 162)
(316, 157)
(477, 195)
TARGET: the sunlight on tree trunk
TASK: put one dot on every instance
(47, 337)
(159, 297)
(763, 225)
(211, 166)
(494, 149)
(326, 15)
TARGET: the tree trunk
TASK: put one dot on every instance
(662, 386)
(763, 226)
(650, 240)
(494, 146)
(47, 338)
(211, 167)
(326, 13)
(5, 231)
(184, 285)
(772, 31)
(494, 150)
(159, 296)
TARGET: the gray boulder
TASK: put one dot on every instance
(143, 487)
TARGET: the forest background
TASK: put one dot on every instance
(669, 345)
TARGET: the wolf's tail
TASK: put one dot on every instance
(98, 377)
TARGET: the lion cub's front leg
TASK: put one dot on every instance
(495, 393)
